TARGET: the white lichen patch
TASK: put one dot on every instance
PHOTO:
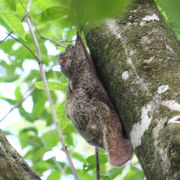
(169, 48)
(174, 129)
(175, 119)
(134, 10)
(139, 128)
(113, 27)
(146, 40)
(131, 53)
(171, 104)
(146, 19)
(125, 75)
(162, 89)
(142, 23)
(149, 60)
(153, 17)
(161, 152)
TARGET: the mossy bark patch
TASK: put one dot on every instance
(137, 58)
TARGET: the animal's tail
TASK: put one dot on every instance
(118, 147)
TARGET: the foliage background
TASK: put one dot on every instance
(29, 127)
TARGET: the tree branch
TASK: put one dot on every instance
(57, 43)
(137, 58)
(6, 37)
(43, 76)
(24, 46)
(12, 166)
(26, 95)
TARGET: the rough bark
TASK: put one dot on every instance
(12, 166)
(137, 57)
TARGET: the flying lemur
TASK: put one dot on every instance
(89, 106)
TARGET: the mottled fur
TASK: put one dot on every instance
(89, 107)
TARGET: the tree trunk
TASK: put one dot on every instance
(137, 57)
(12, 166)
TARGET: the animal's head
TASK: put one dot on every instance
(66, 60)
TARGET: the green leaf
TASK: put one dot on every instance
(8, 4)
(11, 4)
(31, 130)
(28, 136)
(115, 171)
(82, 11)
(38, 154)
(91, 162)
(39, 100)
(55, 175)
(135, 174)
(51, 138)
(84, 175)
(14, 23)
(69, 140)
(47, 116)
(18, 93)
(52, 86)
(61, 115)
(105, 177)
(41, 166)
(171, 12)
(10, 101)
(52, 13)
(9, 78)
(78, 156)
(27, 116)
(32, 75)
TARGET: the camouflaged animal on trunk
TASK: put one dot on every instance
(89, 106)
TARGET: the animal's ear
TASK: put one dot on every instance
(79, 41)
(70, 48)
(79, 47)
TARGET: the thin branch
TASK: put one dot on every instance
(26, 95)
(97, 163)
(12, 165)
(24, 45)
(58, 43)
(43, 76)
(44, 38)
(9, 34)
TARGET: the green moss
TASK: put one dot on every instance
(167, 113)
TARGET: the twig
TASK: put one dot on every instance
(24, 45)
(42, 37)
(97, 164)
(27, 94)
(9, 34)
(58, 43)
(43, 76)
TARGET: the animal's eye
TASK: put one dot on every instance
(63, 62)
